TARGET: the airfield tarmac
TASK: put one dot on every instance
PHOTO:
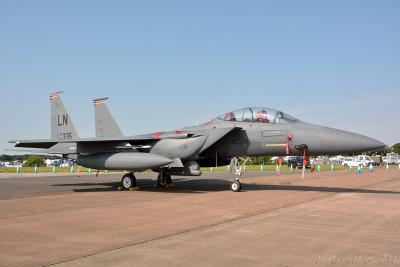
(330, 218)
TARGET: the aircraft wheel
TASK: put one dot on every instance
(128, 181)
(164, 179)
(236, 186)
(169, 179)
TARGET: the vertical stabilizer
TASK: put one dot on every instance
(105, 124)
(61, 123)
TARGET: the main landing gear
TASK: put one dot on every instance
(128, 181)
(164, 179)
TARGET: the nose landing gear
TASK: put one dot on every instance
(236, 186)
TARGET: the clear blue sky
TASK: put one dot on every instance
(168, 64)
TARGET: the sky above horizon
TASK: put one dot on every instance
(170, 64)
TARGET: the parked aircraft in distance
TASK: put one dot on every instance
(253, 131)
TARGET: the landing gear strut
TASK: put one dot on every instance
(236, 186)
(128, 181)
(164, 179)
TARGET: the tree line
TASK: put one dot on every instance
(4, 157)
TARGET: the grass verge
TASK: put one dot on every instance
(220, 168)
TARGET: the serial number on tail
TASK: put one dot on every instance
(64, 135)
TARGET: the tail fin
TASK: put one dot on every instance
(61, 123)
(106, 126)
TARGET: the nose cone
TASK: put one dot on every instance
(335, 141)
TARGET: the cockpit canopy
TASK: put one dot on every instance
(257, 114)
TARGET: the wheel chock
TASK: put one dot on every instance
(166, 186)
(134, 189)
(120, 188)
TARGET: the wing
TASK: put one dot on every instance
(99, 144)
(85, 145)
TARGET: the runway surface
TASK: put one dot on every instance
(328, 218)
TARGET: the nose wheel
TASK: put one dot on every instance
(236, 186)
(128, 181)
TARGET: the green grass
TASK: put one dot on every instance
(47, 169)
(220, 168)
(273, 168)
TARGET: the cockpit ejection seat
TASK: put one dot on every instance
(261, 116)
(230, 116)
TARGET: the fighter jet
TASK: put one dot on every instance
(246, 132)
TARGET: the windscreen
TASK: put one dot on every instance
(257, 114)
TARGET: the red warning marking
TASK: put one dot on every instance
(98, 102)
(178, 132)
(208, 122)
(158, 133)
(288, 138)
(305, 160)
(54, 95)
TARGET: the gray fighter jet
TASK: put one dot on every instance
(254, 131)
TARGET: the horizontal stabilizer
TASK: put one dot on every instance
(40, 143)
(47, 147)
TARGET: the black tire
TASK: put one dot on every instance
(164, 179)
(128, 181)
(169, 179)
(236, 186)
